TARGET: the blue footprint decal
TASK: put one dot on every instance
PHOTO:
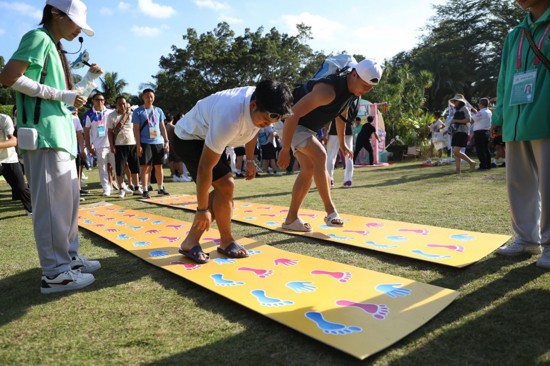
(269, 301)
(329, 327)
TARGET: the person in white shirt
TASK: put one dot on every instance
(11, 170)
(97, 142)
(228, 118)
(482, 137)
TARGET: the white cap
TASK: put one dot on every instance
(76, 11)
(369, 70)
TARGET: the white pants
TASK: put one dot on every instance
(104, 156)
(55, 198)
(333, 146)
(528, 183)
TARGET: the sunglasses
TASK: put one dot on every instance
(278, 115)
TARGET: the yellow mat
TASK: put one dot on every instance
(451, 247)
(355, 310)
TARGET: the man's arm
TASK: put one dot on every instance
(249, 149)
(341, 132)
(137, 136)
(10, 142)
(164, 136)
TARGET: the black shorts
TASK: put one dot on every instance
(239, 151)
(190, 151)
(460, 139)
(126, 154)
(268, 151)
(172, 156)
(152, 154)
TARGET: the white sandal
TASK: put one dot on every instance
(298, 225)
(334, 219)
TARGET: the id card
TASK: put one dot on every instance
(523, 87)
(152, 133)
(101, 131)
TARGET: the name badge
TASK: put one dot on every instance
(152, 133)
(523, 87)
(101, 131)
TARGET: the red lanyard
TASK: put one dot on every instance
(520, 48)
(153, 117)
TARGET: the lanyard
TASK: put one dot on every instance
(100, 119)
(520, 48)
(153, 117)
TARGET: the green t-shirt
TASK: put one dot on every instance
(55, 127)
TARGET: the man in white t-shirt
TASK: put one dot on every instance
(123, 145)
(97, 142)
(11, 170)
(482, 137)
(228, 118)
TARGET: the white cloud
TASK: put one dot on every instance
(148, 31)
(156, 10)
(210, 4)
(322, 29)
(124, 6)
(22, 9)
(106, 11)
(230, 19)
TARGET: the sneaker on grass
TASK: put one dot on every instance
(84, 264)
(66, 281)
(162, 192)
(517, 248)
(146, 195)
(138, 191)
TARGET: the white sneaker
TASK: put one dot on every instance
(106, 193)
(186, 178)
(517, 248)
(125, 189)
(84, 176)
(66, 281)
(122, 193)
(138, 191)
(544, 260)
(85, 265)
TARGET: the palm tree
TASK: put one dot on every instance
(112, 87)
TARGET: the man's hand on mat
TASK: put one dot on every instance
(202, 221)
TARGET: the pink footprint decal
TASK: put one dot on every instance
(374, 224)
(153, 231)
(188, 266)
(268, 215)
(265, 208)
(360, 232)
(171, 239)
(340, 276)
(111, 230)
(248, 211)
(285, 262)
(100, 225)
(129, 215)
(262, 273)
(215, 240)
(177, 227)
(109, 218)
(416, 231)
(456, 248)
(310, 215)
(284, 211)
(378, 311)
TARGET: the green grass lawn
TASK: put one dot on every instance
(136, 313)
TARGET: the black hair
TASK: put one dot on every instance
(273, 96)
(97, 94)
(358, 118)
(148, 90)
(437, 114)
(370, 119)
(484, 102)
(117, 98)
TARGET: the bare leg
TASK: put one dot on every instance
(159, 175)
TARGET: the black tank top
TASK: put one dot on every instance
(320, 116)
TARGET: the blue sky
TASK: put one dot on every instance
(132, 35)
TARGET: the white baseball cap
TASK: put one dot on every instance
(369, 70)
(76, 10)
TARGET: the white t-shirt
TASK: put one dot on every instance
(9, 155)
(222, 119)
(97, 122)
(126, 134)
(482, 120)
(77, 124)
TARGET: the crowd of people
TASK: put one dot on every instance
(267, 123)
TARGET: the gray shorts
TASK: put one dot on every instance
(301, 135)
